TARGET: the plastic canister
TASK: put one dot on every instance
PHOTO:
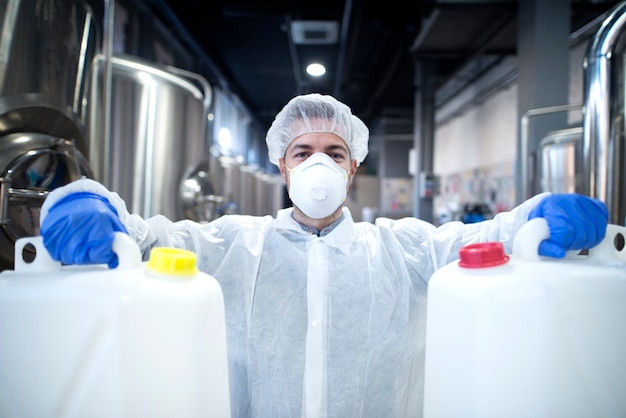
(528, 336)
(141, 340)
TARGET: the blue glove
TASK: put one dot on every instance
(576, 222)
(79, 229)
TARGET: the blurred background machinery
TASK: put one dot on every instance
(47, 50)
(69, 108)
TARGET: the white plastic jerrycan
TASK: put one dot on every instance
(141, 340)
(528, 336)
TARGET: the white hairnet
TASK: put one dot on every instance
(316, 113)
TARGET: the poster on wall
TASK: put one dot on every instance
(396, 196)
(490, 185)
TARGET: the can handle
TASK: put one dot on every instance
(529, 236)
(126, 249)
(612, 246)
(42, 262)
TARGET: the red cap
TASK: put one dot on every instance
(485, 254)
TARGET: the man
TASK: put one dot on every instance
(325, 316)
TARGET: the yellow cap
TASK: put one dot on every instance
(172, 261)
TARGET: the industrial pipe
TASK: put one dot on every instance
(603, 114)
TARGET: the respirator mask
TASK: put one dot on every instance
(318, 186)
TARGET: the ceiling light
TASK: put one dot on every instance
(224, 138)
(316, 69)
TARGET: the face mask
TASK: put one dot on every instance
(318, 186)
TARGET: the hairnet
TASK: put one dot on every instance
(316, 113)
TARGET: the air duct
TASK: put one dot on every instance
(314, 32)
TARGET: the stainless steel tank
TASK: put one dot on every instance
(46, 51)
(227, 175)
(561, 161)
(32, 164)
(158, 133)
(271, 192)
(200, 200)
(248, 190)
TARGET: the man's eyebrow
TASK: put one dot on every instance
(337, 147)
(333, 147)
(301, 146)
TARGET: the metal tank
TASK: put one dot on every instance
(248, 190)
(603, 115)
(560, 161)
(158, 134)
(227, 175)
(271, 194)
(200, 200)
(46, 51)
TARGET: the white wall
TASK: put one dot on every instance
(475, 156)
(475, 151)
(483, 135)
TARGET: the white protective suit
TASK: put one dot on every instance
(329, 326)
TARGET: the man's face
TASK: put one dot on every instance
(308, 144)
